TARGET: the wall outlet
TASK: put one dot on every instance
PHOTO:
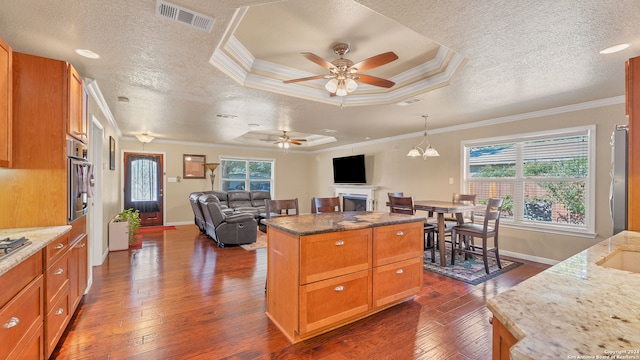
(450, 181)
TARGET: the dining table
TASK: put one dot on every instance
(443, 207)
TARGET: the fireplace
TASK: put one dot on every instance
(356, 197)
(354, 202)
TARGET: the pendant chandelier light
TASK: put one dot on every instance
(429, 151)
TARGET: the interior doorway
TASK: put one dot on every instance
(143, 186)
(96, 157)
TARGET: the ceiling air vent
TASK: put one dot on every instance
(408, 102)
(179, 14)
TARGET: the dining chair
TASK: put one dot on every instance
(404, 205)
(275, 208)
(320, 205)
(462, 234)
(465, 199)
(280, 207)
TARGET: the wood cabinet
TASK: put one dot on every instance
(65, 271)
(319, 282)
(633, 111)
(6, 120)
(78, 270)
(21, 310)
(502, 341)
(76, 120)
(44, 90)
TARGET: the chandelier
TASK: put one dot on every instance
(145, 138)
(429, 151)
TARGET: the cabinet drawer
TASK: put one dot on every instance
(56, 279)
(19, 318)
(32, 347)
(20, 276)
(326, 302)
(56, 320)
(396, 281)
(54, 250)
(399, 242)
(324, 256)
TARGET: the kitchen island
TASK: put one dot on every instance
(327, 270)
(577, 309)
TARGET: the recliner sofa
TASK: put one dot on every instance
(227, 229)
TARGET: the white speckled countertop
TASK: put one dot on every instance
(40, 237)
(576, 309)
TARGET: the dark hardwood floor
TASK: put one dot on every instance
(182, 297)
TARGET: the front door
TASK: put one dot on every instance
(143, 186)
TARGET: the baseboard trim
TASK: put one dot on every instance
(529, 257)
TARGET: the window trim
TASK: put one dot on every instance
(222, 158)
(590, 206)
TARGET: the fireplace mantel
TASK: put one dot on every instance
(365, 191)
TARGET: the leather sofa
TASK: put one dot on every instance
(198, 217)
(227, 229)
(242, 201)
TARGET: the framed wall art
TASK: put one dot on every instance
(193, 166)
(112, 153)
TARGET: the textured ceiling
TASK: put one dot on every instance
(520, 56)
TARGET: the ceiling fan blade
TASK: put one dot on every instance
(374, 62)
(299, 140)
(376, 81)
(318, 60)
(294, 142)
(303, 79)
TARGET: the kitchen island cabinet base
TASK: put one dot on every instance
(319, 282)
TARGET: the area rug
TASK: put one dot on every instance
(470, 271)
(261, 242)
(154, 228)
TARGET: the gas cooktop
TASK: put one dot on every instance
(8, 245)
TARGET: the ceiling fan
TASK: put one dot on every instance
(344, 74)
(284, 141)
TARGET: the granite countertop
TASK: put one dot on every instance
(309, 224)
(40, 237)
(576, 309)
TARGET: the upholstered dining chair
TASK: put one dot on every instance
(320, 205)
(280, 207)
(404, 205)
(462, 234)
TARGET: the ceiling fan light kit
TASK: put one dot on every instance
(429, 151)
(344, 76)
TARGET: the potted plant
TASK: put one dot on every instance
(122, 229)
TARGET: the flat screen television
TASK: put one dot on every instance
(349, 170)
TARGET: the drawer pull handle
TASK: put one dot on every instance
(339, 288)
(59, 271)
(400, 233)
(12, 322)
(399, 271)
(59, 246)
(60, 311)
(339, 242)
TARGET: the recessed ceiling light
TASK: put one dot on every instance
(87, 53)
(614, 49)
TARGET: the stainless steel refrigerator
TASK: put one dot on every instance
(618, 190)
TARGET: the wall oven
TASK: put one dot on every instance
(80, 178)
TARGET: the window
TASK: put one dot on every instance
(246, 174)
(546, 178)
